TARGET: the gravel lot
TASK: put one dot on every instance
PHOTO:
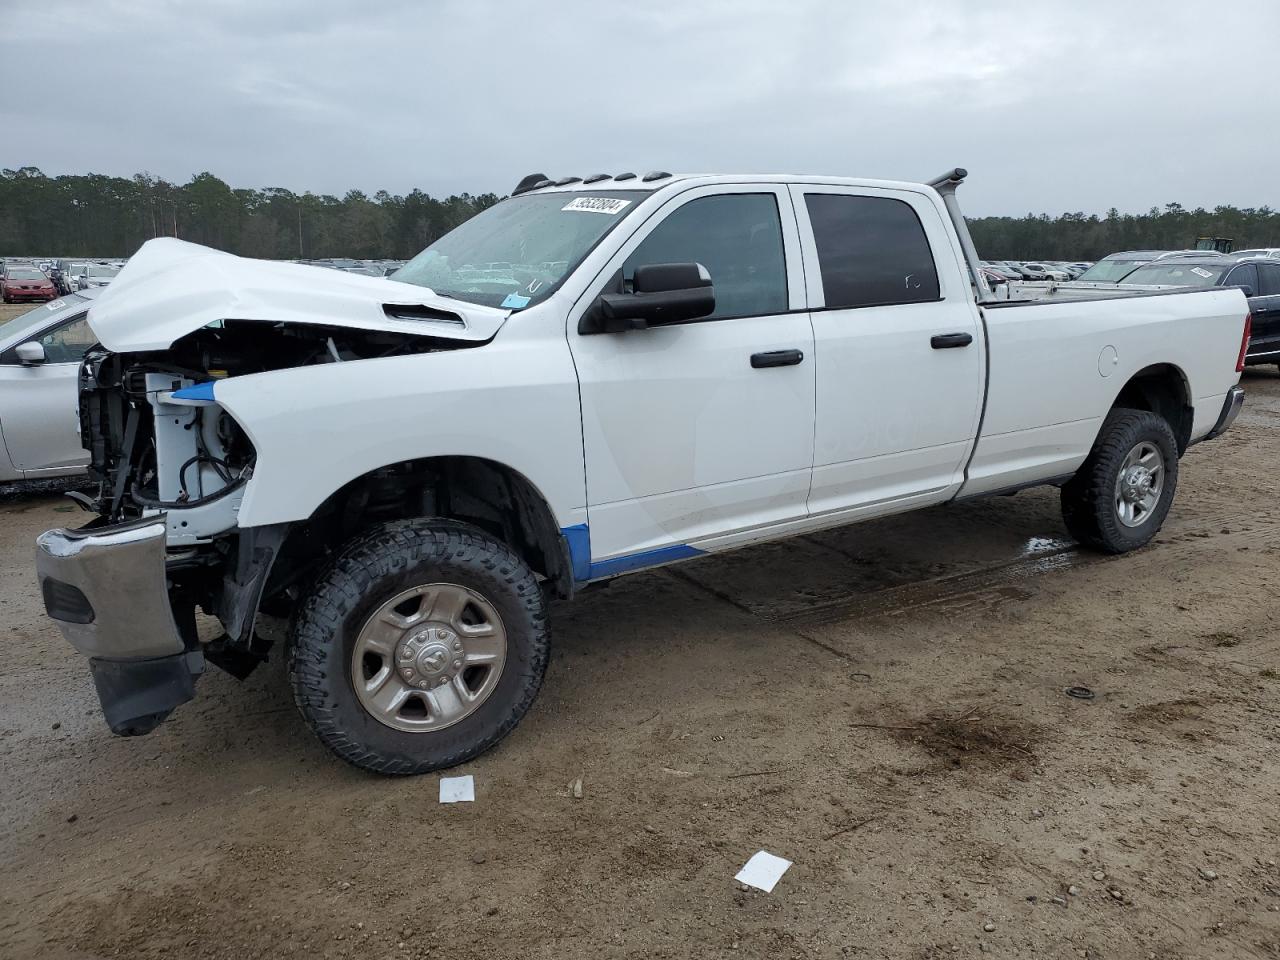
(883, 705)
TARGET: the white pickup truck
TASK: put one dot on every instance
(590, 378)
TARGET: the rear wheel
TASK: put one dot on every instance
(421, 647)
(1120, 496)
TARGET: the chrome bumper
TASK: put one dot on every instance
(1230, 410)
(107, 590)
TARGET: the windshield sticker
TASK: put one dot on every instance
(1201, 272)
(514, 301)
(610, 205)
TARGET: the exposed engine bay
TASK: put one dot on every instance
(158, 444)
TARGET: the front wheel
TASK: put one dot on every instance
(1121, 494)
(421, 647)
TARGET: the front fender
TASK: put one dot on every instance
(317, 428)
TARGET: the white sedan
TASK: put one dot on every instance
(40, 353)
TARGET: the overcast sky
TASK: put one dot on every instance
(1052, 106)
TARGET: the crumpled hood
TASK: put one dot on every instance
(170, 288)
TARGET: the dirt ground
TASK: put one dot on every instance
(884, 705)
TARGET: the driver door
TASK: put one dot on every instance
(39, 404)
(694, 431)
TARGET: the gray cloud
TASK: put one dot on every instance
(1078, 106)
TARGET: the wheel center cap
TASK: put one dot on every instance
(1137, 484)
(433, 658)
(428, 655)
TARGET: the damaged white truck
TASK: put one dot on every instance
(589, 378)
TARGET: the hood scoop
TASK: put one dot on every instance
(420, 311)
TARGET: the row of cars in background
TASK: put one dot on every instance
(1006, 271)
(367, 268)
(34, 281)
(1256, 272)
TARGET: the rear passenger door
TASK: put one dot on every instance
(1265, 308)
(900, 353)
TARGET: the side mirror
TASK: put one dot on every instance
(31, 353)
(662, 293)
(1247, 290)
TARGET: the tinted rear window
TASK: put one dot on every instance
(1269, 279)
(1110, 271)
(1177, 274)
(872, 251)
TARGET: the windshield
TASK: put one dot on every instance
(38, 317)
(24, 273)
(1110, 271)
(516, 252)
(1177, 274)
(98, 270)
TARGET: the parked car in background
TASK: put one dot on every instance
(1024, 271)
(73, 272)
(1259, 278)
(994, 277)
(1002, 269)
(40, 354)
(1270, 253)
(1047, 271)
(26, 284)
(59, 274)
(1115, 267)
(97, 275)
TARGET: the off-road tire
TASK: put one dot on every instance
(369, 571)
(1088, 498)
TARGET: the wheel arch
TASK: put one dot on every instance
(485, 493)
(1162, 389)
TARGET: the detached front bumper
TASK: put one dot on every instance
(107, 590)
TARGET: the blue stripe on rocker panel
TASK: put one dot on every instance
(578, 538)
(649, 558)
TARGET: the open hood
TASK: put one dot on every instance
(170, 288)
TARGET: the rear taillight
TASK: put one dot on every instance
(1244, 342)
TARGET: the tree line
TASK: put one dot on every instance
(99, 216)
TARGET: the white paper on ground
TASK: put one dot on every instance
(457, 789)
(762, 871)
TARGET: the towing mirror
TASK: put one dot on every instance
(31, 353)
(661, 294)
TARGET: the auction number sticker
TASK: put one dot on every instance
(610, 205)
(1201, 272)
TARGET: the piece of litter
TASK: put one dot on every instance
(575, 789)
(457, 789)
(762, 871)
